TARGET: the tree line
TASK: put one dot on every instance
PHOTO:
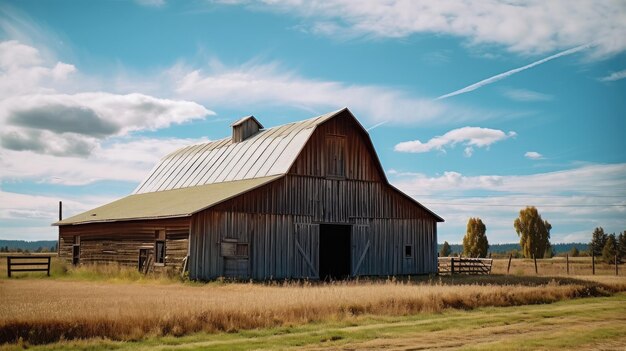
(610, 247)
(534, 234)
(39, 249)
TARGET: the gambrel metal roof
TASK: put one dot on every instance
(200, 176)
(269, 152)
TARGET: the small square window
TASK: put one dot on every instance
(242, 250)
(159, 252)
(408, 251)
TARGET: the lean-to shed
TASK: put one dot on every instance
(303, 200)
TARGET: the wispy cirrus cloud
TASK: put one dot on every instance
(614, 76)
(533, 155)
(32, 214)
(470, 137)
(151, 3)
(271, 84)
(131, 158)
(528, 28)
(526, 95)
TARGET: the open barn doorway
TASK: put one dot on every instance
(334, 251)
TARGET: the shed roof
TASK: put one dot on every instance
(167, 204)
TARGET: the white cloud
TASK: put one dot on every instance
(593, 178)
(574, 201)
(533, 155)
(528, 27)
(268, 84)
(151, 3)
(33, 214)
(469, 136)
(23, 70)
(122, 160)
(614, 76)
(36, 116)
(526, 95)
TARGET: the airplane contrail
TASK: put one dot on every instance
(376, 125)
(500, 76)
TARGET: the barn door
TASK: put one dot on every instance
(361, 250)
(235, 254)
(306, 250)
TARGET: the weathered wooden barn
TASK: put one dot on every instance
(303, 200)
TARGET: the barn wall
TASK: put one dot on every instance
(273, 241)
(280, 221)
(120, 241)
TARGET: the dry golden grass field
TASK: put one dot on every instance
(119, 304)
(556, 266)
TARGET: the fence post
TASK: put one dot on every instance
(616, 272)
(567, 262)
(9, 266)
(451, 266)
(48, 266)
(535, 259)
(509, 266)
(593, 263)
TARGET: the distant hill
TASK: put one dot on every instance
(504, 248)
(32, 246)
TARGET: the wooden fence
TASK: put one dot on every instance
(28, 264)
(464, 265)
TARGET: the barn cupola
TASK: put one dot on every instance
(244, 128)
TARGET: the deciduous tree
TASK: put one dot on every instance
(549, 253)
(475, 243)
(534, 232)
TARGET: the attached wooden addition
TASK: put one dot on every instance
(307, 199)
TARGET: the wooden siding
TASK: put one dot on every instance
(286, 246)
(360, 158)
(326, 200)
(281, 220)
(245, 129)
(120, 241)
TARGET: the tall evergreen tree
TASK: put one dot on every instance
(598, 240)
(475, 243)
(609, 250)
(621, 246)
(533, 231)
(445, 250)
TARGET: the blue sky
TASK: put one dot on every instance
(475, 108)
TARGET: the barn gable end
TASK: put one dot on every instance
(290, 215)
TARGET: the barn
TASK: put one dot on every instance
(307, 199)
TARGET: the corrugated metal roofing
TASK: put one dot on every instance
(167, 204)
(269, 152)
